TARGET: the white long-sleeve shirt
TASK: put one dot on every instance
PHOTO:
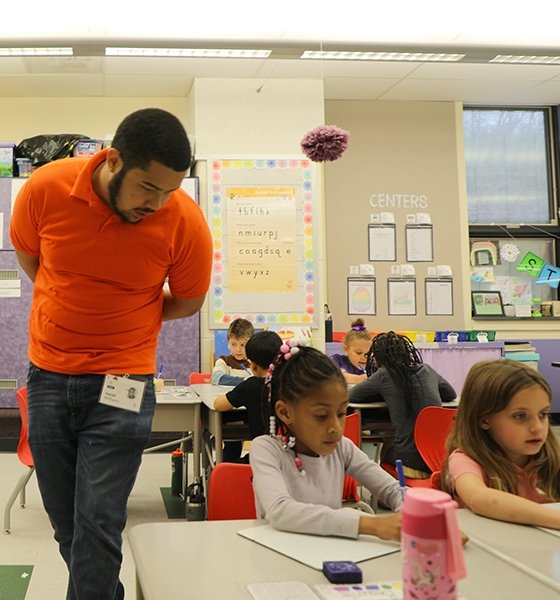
(311, 503)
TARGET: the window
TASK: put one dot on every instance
(510, 165)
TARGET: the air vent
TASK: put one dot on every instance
(8, 384)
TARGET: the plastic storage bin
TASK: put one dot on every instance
(441, 336)
(87, 147)
(473, 335)
(419, 336)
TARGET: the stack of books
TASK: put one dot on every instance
(523, 352)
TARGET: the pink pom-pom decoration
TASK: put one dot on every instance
(326, 142)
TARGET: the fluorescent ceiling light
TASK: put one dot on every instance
(532, 60)
(192, 52)
(36, 52)
(395, 56)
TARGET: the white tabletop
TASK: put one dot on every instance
(207, 559)
(178, 409)
(208, 392)
(177, 394)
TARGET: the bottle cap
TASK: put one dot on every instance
(425, 502)
(177, 452)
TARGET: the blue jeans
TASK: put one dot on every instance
(87, 456)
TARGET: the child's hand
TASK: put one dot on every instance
(387, 527)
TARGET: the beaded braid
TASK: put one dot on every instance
(399, 356)
(296, 370)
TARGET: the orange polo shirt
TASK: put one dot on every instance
(97, 298)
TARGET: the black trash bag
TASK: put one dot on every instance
(42, 149)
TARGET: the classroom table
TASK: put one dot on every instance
(178, 409)
(452, 361)
(179, 561)
(212, 419)
(524, 544)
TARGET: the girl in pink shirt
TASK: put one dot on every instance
(503, 458)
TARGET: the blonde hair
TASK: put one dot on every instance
(358, 331)
(489, 387)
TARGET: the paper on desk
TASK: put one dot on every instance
(312, 550)
(281, 590)
(373, 590)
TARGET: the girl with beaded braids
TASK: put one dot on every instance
(299, 468)
(407, 386)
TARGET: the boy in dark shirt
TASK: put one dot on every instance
(261, 350)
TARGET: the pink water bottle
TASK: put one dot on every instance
(431, 543)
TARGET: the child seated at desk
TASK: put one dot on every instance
(231, 370)
(299, 468)
(503, 458)
(261, 350)
(234, 368)
(407, 386)
(356, 346)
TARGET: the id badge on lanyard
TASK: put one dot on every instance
(122, 392)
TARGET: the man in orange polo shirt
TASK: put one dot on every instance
(100, 237)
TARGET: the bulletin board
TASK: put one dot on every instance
(262, 213)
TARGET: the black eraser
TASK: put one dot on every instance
(342, 571)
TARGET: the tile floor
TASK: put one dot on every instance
(30, 541)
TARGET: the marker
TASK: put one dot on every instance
(160, 371)
(400, 474)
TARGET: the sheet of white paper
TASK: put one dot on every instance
(312, 550)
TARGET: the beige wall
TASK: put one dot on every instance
(21, 118)
(395, 148)
(233, 119)
(406, 148)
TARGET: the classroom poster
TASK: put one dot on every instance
(262, 214)
(261, 239)
(439, 296)
(361, 296)
(401, 295)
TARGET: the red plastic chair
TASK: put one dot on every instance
(24, 455)
(200, 378)
(352, 432)
(410, 481)
(230, 493)
(433, 426)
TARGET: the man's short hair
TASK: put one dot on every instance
(153, 134)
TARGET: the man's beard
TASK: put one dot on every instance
(114, 187)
